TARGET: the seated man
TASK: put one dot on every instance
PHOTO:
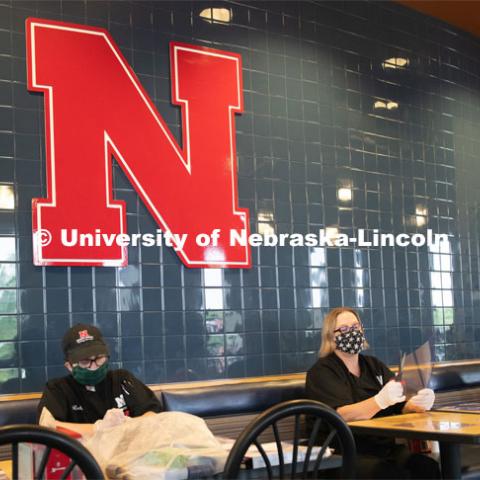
(81, 400)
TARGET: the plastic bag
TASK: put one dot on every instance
(168, 445)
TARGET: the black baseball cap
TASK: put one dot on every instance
(83, 341)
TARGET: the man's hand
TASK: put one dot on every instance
(112, 418)
(421, 402)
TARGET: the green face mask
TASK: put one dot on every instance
(84, 376)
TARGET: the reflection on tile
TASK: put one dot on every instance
(8, 354)
(8, 301)
(234, 344)
(233, 321)
(7, 249)
(214, 299)
(215, 345)
(9, 380)
(129, 298)
(129, 276)
(33, 379)
(213, 277)
(8, 327)
(216, 367)
(8, 276)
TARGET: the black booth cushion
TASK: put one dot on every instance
(455, 377)
(221, 400)
(18, 411)
(208, 401)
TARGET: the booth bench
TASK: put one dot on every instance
(228, 405)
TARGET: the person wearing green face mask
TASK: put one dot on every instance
(92, 396)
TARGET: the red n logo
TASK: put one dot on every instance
(95, 107)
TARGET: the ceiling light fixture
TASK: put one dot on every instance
(214, 15)
(344, 194)
(7, 197)
(396, 62)
(389, 105)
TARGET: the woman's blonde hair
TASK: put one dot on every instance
(328, 336)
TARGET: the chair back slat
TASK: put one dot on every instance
(39, 474)
(296, 440)
(295, 410)
(326, 443)
(311, 443)
(51, 439)
(68, 470)
(268, 465)
(278, 441)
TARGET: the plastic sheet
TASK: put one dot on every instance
(168, 445)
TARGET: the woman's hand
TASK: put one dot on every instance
(390, 394)
(421, 402)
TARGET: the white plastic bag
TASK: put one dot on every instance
(157, 447)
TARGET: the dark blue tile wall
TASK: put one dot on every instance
(315, 121)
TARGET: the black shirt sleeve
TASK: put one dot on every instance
(55, 401)
(140, 399)
(326, 385)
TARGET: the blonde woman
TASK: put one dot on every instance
(360, 387)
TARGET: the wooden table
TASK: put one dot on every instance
(6, 466)
(450, 429)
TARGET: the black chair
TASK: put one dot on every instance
(336, 430)
(79, 455)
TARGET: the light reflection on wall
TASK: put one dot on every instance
(214, 321)
(213, 277)
(8, 309)
(8, 276)
(7, 249)
(216, 15)
(441, 269)
(266, 223)
(358, 279)
(318, 277)
(7, 197)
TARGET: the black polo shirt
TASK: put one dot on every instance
(329, 381)
(69, 401)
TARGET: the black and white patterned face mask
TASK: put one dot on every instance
(350, 341)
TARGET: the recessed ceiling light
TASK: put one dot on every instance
(420, 210)
(266, 229)
(421, 213)
(332, 233)
(396, 62)
(421, 221)
(389, 105)
(265, 216)
(213, 15)
(344, 194)
(7, 197)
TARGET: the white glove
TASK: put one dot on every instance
(390, 394)
(424, 399)
(112, 418)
